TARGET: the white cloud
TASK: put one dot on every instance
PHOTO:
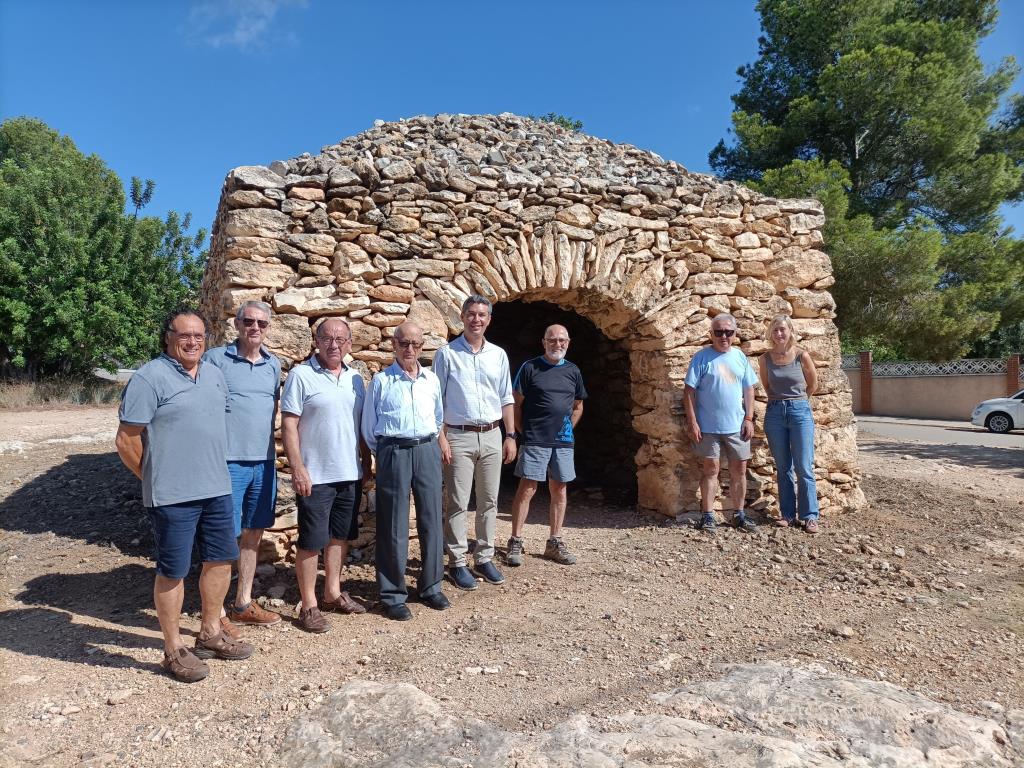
(241, 24)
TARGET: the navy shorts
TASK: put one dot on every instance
(254, 493)
(331, 511)
(207, 523)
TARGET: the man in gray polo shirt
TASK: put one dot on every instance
(253, 376)
(173, 437)
(321, 409)
(477, 389)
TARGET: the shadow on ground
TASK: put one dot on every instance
(1010, 460)
(91, 497)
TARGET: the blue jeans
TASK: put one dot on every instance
(789, 427)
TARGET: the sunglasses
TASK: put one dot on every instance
(249, 322)
(410, 344)
(726, 332)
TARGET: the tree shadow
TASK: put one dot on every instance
(91, 497)
(1009, 460)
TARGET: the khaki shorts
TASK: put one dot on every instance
(711, 446)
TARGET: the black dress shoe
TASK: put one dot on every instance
(398, 612)
(438, 602)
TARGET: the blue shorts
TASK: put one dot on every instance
(208, 523)
(254, 494)
(540, 463)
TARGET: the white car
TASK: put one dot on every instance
(1000, 414)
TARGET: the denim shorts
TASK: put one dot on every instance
(537, 462)
(331, 511)
(207, 523)
(254, 493)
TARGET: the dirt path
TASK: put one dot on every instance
(925, 589)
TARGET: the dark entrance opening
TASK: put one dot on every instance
(606, 444)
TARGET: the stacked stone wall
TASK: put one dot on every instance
(406, 220)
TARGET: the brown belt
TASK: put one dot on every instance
(474, 427)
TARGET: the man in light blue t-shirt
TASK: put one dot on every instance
(720, 416)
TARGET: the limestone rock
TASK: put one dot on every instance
(255, 177)
(289, 337)
(738, 721)
(798, 268)
(256, 274)
(256, 222)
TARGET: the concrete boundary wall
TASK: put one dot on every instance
(950, 396)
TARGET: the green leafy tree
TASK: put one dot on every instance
(882, 109)
(82, 284)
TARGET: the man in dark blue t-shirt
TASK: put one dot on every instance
(549, 395)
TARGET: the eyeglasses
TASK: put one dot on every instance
(556, 341)
(726, 332)
(190, 336)
(336, 341)
(249, 322)
(409, 344)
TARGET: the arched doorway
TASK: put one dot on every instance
(606, 443)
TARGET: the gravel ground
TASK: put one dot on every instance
(925, 589)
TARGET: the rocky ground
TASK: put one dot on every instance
(924, 590)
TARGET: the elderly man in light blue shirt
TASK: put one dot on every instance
(401, 419)
(477, 390)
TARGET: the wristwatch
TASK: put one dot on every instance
(513, 435)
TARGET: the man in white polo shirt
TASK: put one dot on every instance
(477, 389)
(321, 409)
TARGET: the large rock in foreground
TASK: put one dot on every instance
(757, 716)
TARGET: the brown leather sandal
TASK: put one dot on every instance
(185, 666)
(222, 647)
(344, 604)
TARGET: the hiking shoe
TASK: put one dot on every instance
(489, 573)
(253, 614)
(557, 551)
(344, 604)
(811, 526)
(514, 552)
(185, 666)
(229, 629)
(462, 578)
(223, 647)
(707, 523)
(744, 524)
(311, 620)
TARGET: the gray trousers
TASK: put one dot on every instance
(476, 461)
(398, 470)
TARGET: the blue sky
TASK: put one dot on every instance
(181, 92)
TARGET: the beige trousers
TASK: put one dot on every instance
(476, 462)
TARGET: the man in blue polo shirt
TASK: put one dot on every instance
(720, 415)
(549, 395)
(253, 376)
(172, 436)
(321, 406)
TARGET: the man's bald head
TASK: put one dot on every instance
(556, 343)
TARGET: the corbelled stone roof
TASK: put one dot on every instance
(470, 152)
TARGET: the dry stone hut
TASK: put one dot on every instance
(633, 253)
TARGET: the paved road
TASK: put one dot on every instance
(938, 432)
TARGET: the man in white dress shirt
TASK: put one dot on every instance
(401, 418)
(477, 389)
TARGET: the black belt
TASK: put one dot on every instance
(405, 442)
(474, 427)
